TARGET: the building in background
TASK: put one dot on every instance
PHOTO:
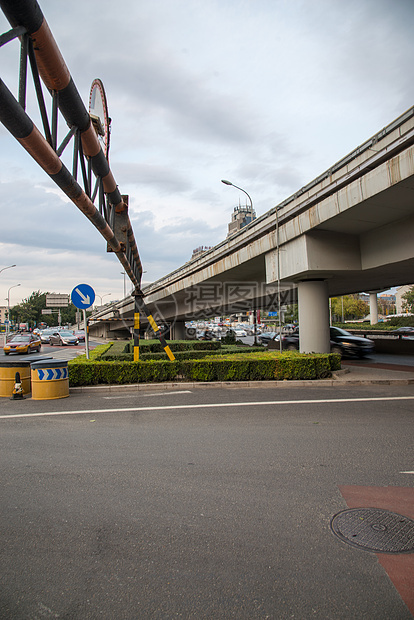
(399, 301)
(386, 304)
(200, 250)
(240, 218)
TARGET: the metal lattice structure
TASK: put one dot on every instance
(96, 195)
(40, 53)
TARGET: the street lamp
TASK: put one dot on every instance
(8, 305)
(9, 267)
(240, 188)
(124, 274)
(251, 206)
(102, 296)
(279, 315)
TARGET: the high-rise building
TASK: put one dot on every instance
(240, 218)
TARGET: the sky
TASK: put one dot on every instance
(265, 93)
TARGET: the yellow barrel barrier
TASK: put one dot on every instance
(8, 370)
(50, 380)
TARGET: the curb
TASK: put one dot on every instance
(162, 387)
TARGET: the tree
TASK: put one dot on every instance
(291, 313)
(30, 311)
(353, 308)
(408, 303)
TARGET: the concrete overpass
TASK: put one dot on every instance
(349, 230)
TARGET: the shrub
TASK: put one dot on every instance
(117, 373)
(231, 365)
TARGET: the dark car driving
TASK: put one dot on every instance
(265, 337)
(343, 343)
(348, 345)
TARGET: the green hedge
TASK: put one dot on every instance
(254, 366)
(261, 366)
(389, 325)
(117, 373)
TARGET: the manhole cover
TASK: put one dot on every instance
(374, 529)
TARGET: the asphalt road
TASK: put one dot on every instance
(57, 352)
(203, 503)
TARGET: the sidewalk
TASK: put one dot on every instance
(357, 372)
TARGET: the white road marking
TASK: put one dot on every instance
(152, 394)
(209, 406)
(406, 472)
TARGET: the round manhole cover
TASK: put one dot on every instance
(374, 529)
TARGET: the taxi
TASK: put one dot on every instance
(22, 343)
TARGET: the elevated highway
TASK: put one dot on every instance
(349, 230)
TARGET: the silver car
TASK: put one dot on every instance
(63, 338)
(45, 335)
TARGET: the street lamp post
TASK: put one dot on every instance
(124, 274)
(8, 306)
(240, 188)
(279, 314)
(251, 206)
(102, 296)
(9, 267)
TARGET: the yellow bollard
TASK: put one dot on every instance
(50, 380)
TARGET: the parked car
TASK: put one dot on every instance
(250, 331)
(240, 333)
(22, 343)
(206, 335)
(63, 338)
(289, 327)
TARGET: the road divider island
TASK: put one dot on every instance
(112, 364)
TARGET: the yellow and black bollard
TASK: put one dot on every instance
(18, 388)
(8, 371)
(136, 336)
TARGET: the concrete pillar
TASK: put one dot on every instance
(373, 308)
(313, 304)
(178, 330)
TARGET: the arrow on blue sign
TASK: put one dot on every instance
(83, 296)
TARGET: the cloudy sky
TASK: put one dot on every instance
(265, 93)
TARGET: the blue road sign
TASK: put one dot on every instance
(272, 313)
(83, 296)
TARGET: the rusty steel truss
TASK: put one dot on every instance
(40, 55)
